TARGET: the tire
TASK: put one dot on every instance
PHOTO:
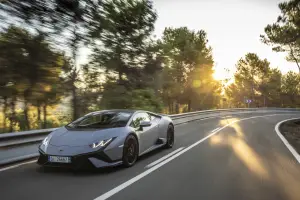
(130, 151)
(170, 137)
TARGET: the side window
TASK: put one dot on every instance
(146, 117)
(138, 118)
(154, 118)
(89, 120)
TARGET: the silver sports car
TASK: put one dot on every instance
(106, 138)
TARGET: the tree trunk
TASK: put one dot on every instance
(74, 102)
(13, 114)
(252, 94)
(120, 76)
(177, 107)
(169, 105)
(295, 59)
(189, 105)
(4, 113)
(26, 118)
(39, 115)
(74, 77)
(45, 115)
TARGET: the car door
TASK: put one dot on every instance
(148, 135)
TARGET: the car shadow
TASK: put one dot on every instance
(150, 154)
(94, 171)
(79, 172)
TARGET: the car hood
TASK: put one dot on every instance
(65, 137)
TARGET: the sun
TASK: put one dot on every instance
(224, 76)
(220, 75)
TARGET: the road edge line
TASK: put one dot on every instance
(164, 158)
(285, 142)
(17, 165)
(216, 129)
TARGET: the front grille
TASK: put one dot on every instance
(80, 161)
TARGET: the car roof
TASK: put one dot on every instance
(115, 110)
(131, 111)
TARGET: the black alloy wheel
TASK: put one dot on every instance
(170, 137)
(130, 151)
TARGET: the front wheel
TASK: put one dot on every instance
(130, 151)
(170, 137)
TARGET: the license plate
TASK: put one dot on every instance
(59, 159)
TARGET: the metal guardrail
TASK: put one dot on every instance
(188, 114)
(10, 139)
(17, 139)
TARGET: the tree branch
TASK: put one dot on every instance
(295, 59)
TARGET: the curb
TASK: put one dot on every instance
(287, 144)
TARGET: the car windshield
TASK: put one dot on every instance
(102, 120)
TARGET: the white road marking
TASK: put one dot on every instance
(225, 117)
(208, 118)
(18, 165)
(287, 144)
(145, 173)
(164, 158)
(215, 129)
(185, 123)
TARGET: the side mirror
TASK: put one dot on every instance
(145, 124)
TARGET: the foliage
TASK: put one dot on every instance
(142, 99)
(283, 35)
(251, 72)
(270, 89)
(291, 90)
(188, 69)
(53, 119)
(41, 82)
(64, 22)
(255, 80)
(122, 49)
(90, 89)
(121, 34)
(31, 69)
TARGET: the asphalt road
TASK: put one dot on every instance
(242, 160)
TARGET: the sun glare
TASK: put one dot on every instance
(218, 76)
(221, 75)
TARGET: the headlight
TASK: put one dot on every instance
(45, 143)
(101, 143)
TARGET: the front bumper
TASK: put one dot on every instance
(92, 160)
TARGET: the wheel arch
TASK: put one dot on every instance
(171, 123)
(137, 139)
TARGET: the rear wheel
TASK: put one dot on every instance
(130, 151)
(170, 137)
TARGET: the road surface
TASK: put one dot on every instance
(235, 157)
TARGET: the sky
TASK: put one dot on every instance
(233, 28)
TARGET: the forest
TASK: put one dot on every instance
(42, 85)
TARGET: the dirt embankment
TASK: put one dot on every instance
(291, 131)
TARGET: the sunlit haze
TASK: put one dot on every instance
(233, 28)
